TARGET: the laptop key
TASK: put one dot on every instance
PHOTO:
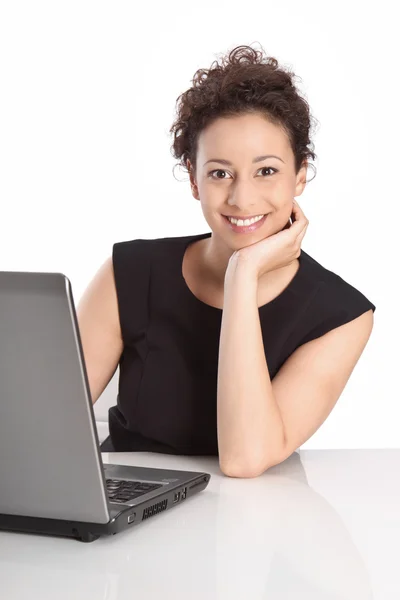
(121, 490)
(147, 488)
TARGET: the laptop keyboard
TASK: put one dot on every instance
(122, 491)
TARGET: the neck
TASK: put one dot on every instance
(214, 260)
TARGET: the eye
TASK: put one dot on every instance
(224, 171)
(268, 169)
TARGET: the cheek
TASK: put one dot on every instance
(210, 206)
(208, 212)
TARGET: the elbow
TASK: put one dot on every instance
(249, 469)
(243, 471)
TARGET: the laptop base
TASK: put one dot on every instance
(122, 516)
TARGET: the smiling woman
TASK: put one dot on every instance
(236, 342)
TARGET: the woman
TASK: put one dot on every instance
(235, 342)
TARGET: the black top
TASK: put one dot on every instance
(168, 369)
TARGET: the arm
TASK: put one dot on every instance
(261, 423)
(99, 329)
(250, 427)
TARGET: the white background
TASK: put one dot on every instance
(87, 97)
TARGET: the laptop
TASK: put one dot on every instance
(53, 479)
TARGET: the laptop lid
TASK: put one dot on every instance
(50, 463)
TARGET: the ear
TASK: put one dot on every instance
(301, 180)
(193, 184)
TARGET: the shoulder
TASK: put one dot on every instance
(334, 302)
(142, 247)
(332, 289)
(156, 242)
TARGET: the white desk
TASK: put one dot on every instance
(323, 525)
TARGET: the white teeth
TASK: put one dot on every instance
(240, 222)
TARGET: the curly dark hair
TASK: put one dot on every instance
(245, 82)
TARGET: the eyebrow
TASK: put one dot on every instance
(255, 160)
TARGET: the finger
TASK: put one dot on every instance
(300, 231)
(297, 209)
(301, 235)
(299, 217)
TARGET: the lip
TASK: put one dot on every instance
(243, 217)
(245, 228)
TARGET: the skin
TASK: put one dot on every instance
(245, 189)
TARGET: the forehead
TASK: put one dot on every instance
(245, 135)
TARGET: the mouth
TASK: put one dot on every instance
(245, 228)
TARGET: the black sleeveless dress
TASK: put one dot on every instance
(167, 392)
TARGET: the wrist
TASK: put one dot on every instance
(239, 269)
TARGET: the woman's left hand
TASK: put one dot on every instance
(275, 251)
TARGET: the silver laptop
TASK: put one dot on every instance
(52, 478)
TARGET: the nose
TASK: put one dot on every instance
(243, 196)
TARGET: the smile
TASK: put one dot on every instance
(247, 226)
